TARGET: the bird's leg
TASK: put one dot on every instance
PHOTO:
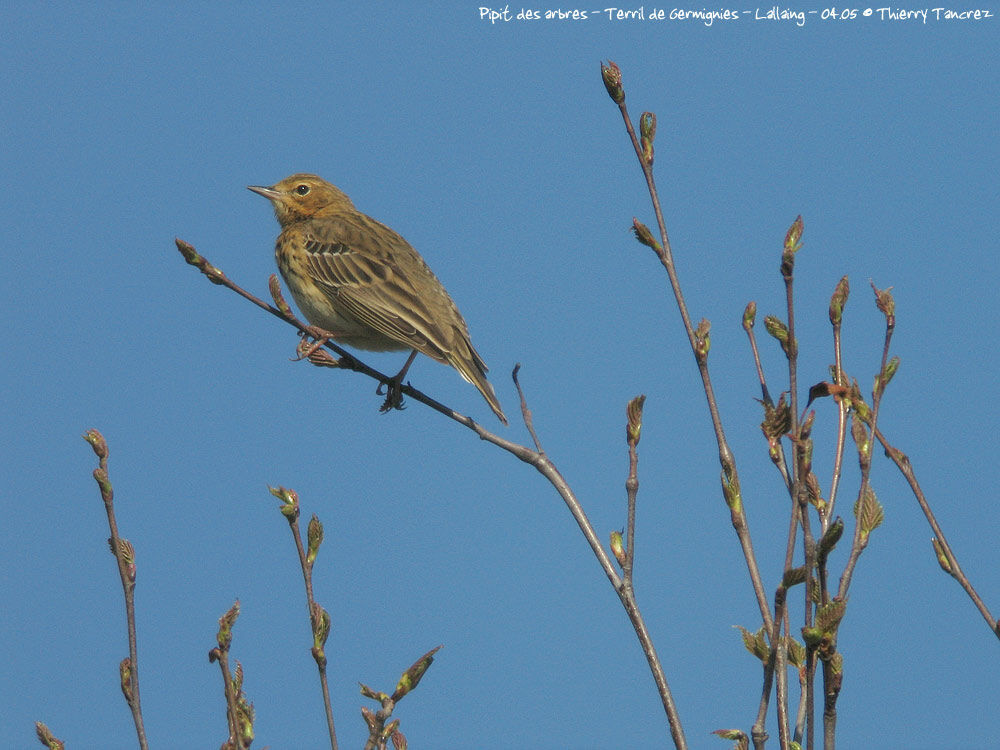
(393, 389)
(313, 350)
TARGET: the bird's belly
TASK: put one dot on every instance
(348, 331)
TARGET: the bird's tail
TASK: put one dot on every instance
(471, 366)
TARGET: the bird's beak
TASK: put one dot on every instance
(270, 193)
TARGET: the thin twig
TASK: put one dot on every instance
(837, 303)
(227, 686)
(239, 712)
(775, 665)
(380, 733)
(633, 432)
(776, 451)
(125, 558)
(902, 462)
(525, 411)
(858, 546)
(622, 586)
(665, 255)
(800, 466)
(319, 618)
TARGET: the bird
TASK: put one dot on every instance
(364, 285)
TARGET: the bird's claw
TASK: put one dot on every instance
(393, 395)
(313, 350)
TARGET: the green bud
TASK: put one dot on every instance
(289, 502)
(320, 619)
(412, 676)
(702, 340)
(794, 235)
(98, 443)
(618, 547)
(647, 125)
(646, 145)
(831, 537)
(812, 636)
(612, 76)
(125, 674)
(46, 737)
(942, 558)
(633, 430)
(885, 303)
(778, 331)
(644, 236)
(314, 535)
(883, 378)
(838, 300)
(226, 622)
(731, 493)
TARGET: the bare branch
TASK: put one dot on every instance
(125, 557)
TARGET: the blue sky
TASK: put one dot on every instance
(494, 149)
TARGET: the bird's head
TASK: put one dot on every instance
(302, 196)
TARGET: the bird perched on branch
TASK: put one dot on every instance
(363, 285)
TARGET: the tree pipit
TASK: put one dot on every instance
(364, 285)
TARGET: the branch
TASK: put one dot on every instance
(949, 562)
(698, 339)
(535, 458)
(125, 557)
(239, 711)
(319, 618)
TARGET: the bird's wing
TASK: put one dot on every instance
(408, 305)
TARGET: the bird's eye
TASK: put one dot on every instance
(302, 189)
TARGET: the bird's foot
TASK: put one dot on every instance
(313, 350)
(394, 387)
(393, 390)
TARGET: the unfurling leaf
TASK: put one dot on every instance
(794, 576)
(289, 502)
(742, 741)
(828, 616)
(226, 622)
(777, 419)
(756, 643)
(796, 652)
(885, 303)
(645, 237)
(869, 513)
